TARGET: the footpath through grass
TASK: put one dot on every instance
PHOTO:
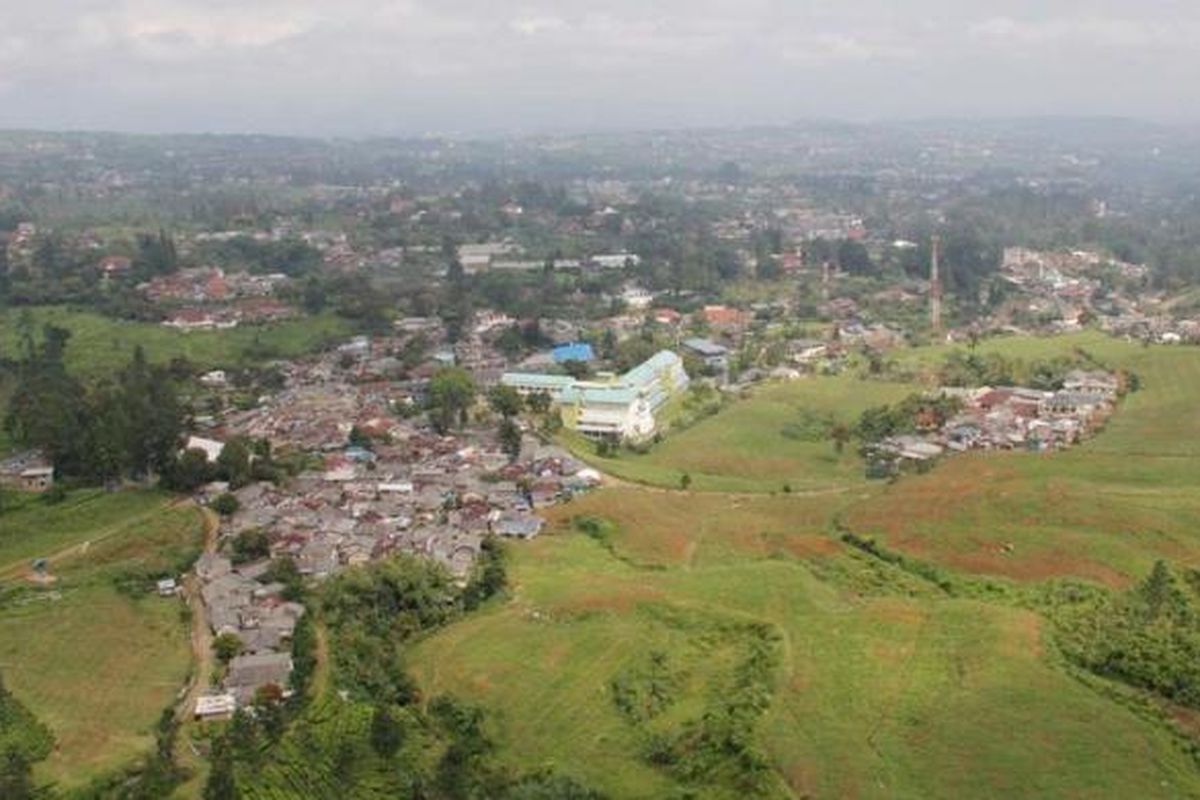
(95, 664)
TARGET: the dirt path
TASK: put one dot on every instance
(22, 567)
(202, 656)
(611, 481)
(322, 670)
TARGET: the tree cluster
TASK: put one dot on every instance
(126, 425)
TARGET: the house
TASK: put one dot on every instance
(714, 356)
(574, 351)
(912, 448)
(807, 351)
(211, 448)
(637, 298)
(724, 317)
(615, 260)
(36, 479)
(1077, 403)
(1097, 382)
(115, 265)
(214, 706)
(249, 673)
(214, 379)
(666, 316)
(518, 526)
(167, 587)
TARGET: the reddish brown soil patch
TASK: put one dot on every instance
(810, 545)
(897, 611)
(619, 601)
(1022, 635)
(1039, 566)
(1187, 719)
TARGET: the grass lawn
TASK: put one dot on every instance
(100, 345)
(96, 666)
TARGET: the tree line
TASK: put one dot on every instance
(126, 425)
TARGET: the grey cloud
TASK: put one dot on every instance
(409, 66)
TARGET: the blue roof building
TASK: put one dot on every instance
(575, 351)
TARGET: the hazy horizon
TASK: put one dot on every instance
(365, 68)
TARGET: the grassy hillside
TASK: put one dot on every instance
(881, 689)
(744, 449)
(882, 685)
(100, 345)
(96, 665)
(1105, 510)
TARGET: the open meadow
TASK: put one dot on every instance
(878, 687)
(744, 448)
(99, 345)
(91, 654)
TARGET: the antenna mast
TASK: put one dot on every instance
(935, 286)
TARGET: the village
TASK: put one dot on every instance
(1008, 418)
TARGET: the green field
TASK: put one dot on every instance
(100, 345)
(886, 693)
(93, 664)
(884, 685)
(1104, 510)
(742, 449)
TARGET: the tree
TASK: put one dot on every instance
(227, 646)
(226, 504)
(685, 481)
(268, 710)
(221, 784)
(577, 369)
(840, 434)
(505, 401)
(251, 545)
(853, 257)
(451, 393)
(539, 402)
(234, 463)
(359, 438)
(16, 776)
(510, 439)
(1159, 591)
(387, 734)
(156, 255)
(189, 471)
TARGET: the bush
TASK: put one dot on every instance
(250, 545)
(225, 504)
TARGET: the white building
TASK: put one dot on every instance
(621, 407)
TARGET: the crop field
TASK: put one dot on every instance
(881, 685)
(97, 666)
(100, 345)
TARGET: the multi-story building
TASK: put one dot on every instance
(615, 407)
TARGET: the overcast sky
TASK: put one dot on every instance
(366, 67)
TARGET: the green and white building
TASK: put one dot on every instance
(617, 407)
